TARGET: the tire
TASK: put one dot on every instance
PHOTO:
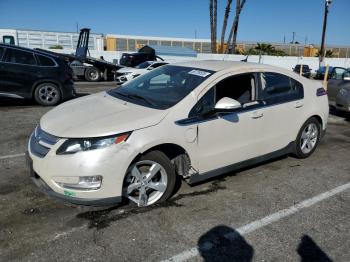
(146, 188)
(92, 74)
(47, 94)
(308, 138)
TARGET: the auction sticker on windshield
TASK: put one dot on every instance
(199, 73)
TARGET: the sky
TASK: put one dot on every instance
(260, 21)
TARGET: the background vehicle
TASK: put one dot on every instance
(306, 70)
(86, 67)
(333, 72)
(193, 120)
(127, 73)
(339, 91)
(144, 54)
(27, 73)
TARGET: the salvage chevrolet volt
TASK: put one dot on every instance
(191, 121)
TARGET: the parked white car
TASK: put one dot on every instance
(191, 120)
(127, 73)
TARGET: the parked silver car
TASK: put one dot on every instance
(339, 90)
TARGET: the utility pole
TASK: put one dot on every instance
(322, 51)
(77, 27)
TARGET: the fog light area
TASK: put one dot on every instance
(85, 183)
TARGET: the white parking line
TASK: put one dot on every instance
(257, 224)
(11, 156)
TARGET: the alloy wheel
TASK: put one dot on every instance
(309, 138)
(48, 93)
(146, 182)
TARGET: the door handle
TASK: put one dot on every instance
(257, 114)
(298, 104)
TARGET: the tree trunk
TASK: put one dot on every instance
(224, 25)
(233, 33)
(211, 23)
(215, 25)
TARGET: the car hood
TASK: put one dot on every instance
(126, 69)
(98, 115)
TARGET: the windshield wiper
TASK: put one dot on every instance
(140, 98)
(136, 96)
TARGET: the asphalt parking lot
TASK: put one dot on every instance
(283, 210)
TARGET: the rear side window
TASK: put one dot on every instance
(45, 61)
(19, 57)
(1, 52)
(277, 88)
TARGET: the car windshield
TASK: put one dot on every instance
(162, 87)
(143, 65)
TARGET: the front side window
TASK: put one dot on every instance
(276, 88)
(337, 73)
(239, 87)
(163, 87)
(8, 39)
(19, 57)
(45, 61)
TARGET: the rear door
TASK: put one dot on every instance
(283, 99)
(19, 72)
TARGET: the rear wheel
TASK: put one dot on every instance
(308, 138)
(92, 74)
(151, 179)
(47, 94)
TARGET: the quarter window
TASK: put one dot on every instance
(276, 88)
(19, 57)
(45, 61)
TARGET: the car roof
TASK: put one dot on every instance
(216, 65)
(29, 50)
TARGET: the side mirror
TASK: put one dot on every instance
(227, 104)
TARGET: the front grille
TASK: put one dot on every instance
(41, 142)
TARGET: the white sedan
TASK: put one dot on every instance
(127, 73)
(191, 120)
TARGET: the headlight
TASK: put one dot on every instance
(74, 145)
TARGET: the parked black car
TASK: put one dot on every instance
(33, 74)
(306, 71)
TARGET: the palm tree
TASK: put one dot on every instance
(213, 23)
(233, 33)
(265, 49)
(224, 25)
(329, 53)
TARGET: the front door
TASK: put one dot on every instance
(229, 138)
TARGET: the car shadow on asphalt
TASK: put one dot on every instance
(334, 112)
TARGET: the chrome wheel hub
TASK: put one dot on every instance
(48, 93)
(309, 138)
(146, 182)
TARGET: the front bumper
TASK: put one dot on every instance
(48, 169)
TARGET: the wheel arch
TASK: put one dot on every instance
(178, 156)
(42, 81)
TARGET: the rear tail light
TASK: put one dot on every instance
(321, 92)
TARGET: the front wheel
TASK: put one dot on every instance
(149, 180)
(308, 138)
